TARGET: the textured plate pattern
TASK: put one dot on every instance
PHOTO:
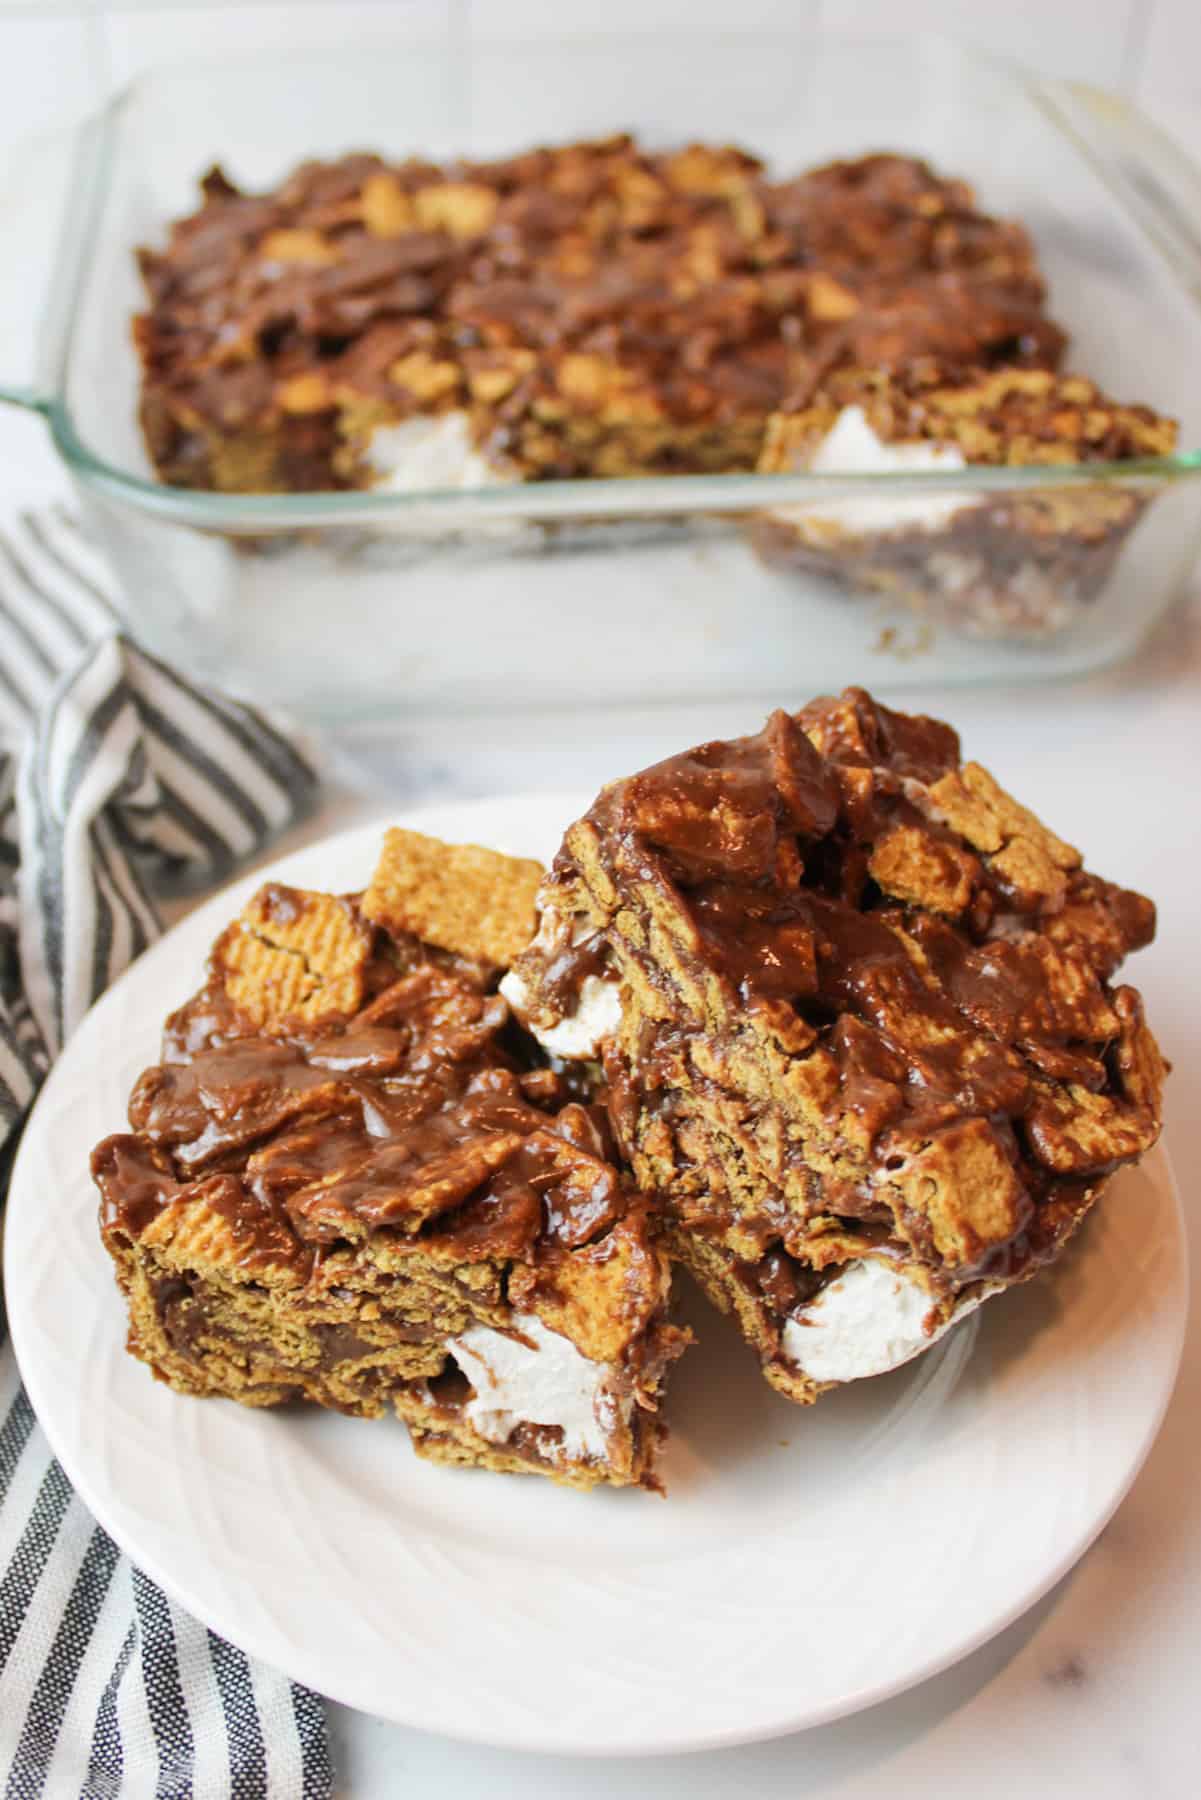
(807, 1563)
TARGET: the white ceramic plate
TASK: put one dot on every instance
(806, 1563)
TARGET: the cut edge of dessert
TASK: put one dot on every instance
(994, 562)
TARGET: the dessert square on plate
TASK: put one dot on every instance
(343, 1184)
(855, 1009)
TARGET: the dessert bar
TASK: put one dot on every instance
(856, 1011)
(345, 1183)
(596, 309)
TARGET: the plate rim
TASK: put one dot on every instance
(440, 817)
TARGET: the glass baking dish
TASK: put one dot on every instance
(572, 593)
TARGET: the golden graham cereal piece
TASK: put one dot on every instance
(215, 1233)
(460, 897)
(294, 955)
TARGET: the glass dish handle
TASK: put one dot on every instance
(1142, 164)
(46, 190)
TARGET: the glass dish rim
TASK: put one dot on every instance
(635, 496)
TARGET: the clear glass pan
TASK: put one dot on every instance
(642, 590)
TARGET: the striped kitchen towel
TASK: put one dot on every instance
(117, 778)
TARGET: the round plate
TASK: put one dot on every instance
(806, 1562)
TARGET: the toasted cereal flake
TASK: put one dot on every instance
(214, 1230)
(1017, 821)
(298, 246)
(462, 208)
(387, 209)
(1030, 874)
(966, 1186)
(600, 1296)
(306, 393)
(1141, 1068)
(459, 897)
(294, 954)
(918, 868)
(403, 1190)
(1072, 1130)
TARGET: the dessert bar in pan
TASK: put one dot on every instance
(590, 310)
(343, 1184)
(856, 1011)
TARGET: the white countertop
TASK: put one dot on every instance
(1095, 1691)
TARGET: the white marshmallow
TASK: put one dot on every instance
(597, 1012)
(551, 1384)
(868, 1320)
(851, 447)
(579, 1035)
(427, 454)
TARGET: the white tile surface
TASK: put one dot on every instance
(1082, 38)
(582, 18)
(45, 8)
(1171, 52)
(47, 74)
(1152, 46)
(141, 36)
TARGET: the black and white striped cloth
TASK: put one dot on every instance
(117, 777)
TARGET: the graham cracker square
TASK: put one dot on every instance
(459, 897)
